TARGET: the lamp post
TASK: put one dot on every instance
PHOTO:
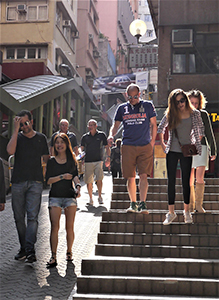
(137, 28)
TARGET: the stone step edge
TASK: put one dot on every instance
(154, 278)
(157, 246)
(155, 223)
(161, 193)
(158, 234)
(135, 297)
(156, 211)
(150, 259)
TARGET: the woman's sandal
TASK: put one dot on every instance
(51, 263)
(69, 256)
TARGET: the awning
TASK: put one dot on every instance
(33, 92)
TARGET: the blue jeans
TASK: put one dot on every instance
(26, 199)
(185, 165)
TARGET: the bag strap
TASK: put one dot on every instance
(176, 134)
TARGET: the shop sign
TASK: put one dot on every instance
(214, 117)
(144, 57)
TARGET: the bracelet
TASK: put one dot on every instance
(78, 184)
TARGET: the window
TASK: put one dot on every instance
(11, 13)
(31, 53)
(42, 13)
(201, 58)
(10, 53)
(34, 12)
(26, 53)
(20, 53)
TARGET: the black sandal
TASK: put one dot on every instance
(51, 263)
(69, 256)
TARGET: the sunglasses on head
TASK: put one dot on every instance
(133, 97)
(182, 100)
(25, 123)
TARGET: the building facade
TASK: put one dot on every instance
(39, 38)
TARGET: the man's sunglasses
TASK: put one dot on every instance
(182, 100)
(133, 97)
(25, 123)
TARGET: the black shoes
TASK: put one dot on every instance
(51, 263)
(31, 258)
(21, 255)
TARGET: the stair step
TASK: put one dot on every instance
(162, 205)
(158, 239)
(148, 285)
(157, 251)
(163, 189)
(123, 266)
(134, 297)
(162, 196)
(158, 227)
(158, 216)
(163, 181)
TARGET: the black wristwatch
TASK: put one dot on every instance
(61, 177)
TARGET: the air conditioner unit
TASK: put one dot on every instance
(91, 36)
(22, 8)
(182, 37)
(66, 23)
(89, 73)
(96, 53)
(75, 34)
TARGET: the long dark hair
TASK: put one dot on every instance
(69, 152)
(172, 111)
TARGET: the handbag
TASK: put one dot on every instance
(188, 149)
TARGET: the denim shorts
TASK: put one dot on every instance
(62, 202)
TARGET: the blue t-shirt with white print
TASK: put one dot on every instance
(136, 122)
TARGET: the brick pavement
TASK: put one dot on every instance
(20, 282)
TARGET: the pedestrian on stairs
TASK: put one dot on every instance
(115, 159)
(200, 162)
(184, 127)
(137, 116)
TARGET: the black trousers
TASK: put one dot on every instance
(116, 173)
(185, 165)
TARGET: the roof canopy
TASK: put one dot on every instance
(33, 92)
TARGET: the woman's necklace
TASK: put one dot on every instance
(61, 159)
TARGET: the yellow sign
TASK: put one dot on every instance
(215, 117)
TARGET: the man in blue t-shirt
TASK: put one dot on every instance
(137, 116)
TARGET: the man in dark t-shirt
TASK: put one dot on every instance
(94, 142)
(28, 147)
(63, 127)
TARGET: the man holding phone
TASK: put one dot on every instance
(28, 147)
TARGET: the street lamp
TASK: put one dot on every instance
(137, 28)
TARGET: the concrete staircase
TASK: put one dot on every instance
(137, 257)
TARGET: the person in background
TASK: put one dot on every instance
(62, 173)
(115, 159)
(93, 143)
(2, 187)
(63, 127)
(138, 117)
(200, 162)
(185, 121)
(28, 147)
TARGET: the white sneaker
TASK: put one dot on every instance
(169, 218)
(91, 202)
(100, 200)
(187, 217)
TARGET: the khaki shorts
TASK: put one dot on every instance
(91, 169)
(140, 156)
